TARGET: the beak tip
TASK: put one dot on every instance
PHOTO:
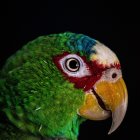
(110, 131)
(118, 116)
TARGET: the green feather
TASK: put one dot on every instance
(34, 96)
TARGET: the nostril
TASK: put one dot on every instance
(114, 75)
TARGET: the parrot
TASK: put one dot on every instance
(55, 82)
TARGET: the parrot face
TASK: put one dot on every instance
(50, 86)
(100, 78)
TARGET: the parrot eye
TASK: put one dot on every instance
(72, 64)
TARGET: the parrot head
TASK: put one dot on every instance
(55, 82)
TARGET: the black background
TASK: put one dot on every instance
(116, 24)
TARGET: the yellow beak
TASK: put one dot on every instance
(106, 98)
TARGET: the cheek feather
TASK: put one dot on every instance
(84, 83)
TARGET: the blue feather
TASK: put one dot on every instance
(80, 43)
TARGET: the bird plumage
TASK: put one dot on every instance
(37, 99)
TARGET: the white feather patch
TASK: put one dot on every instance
(103, 55)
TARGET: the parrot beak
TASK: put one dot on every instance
(104, 99)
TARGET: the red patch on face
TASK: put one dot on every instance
(85, 82)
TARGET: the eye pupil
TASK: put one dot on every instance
(114, 75)
(73, 64)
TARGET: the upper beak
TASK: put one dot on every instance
(114, 98)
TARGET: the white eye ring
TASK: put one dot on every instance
(73, 65)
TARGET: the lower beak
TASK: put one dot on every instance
(106, 98)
